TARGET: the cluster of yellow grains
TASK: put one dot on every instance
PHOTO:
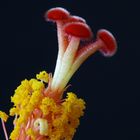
(62, 118)
(3, 116)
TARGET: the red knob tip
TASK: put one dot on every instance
(57, 14)
(110, 46)
(78, 29)
(76, 19)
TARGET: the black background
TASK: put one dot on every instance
(110, 86)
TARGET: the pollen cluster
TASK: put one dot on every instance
(31, 104)
(3, 116)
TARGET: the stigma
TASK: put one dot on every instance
(71, 31)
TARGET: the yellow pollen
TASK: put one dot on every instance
(3, 116)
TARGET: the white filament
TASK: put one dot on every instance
(60, 36)
(4, 129)
(67, 61)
